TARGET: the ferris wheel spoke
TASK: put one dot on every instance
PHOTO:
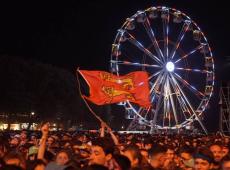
(159, 100)
(183, 97)
(180, 100)
(171, 101)
(180, 38)
(134, 64)
(166, 110)
(136, 43)
(158, 80)
(137, 112)
(143, 113)
(152, 37)
(164, 114)
(146, 113)
(140, 110)
(193, 70)
(189, 53)
(165, 33)
(165, 103)
(189, 86)
(189, 104)
(154, 75)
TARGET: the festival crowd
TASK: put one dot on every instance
(108, 150)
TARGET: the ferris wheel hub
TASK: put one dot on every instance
(170, 66)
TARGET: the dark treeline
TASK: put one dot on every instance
(51, 92)
(30, 86)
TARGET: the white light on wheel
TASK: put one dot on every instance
(170, 66)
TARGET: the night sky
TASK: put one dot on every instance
(71, 34)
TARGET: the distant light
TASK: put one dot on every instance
(32, 113)
(170, 66)
(122, 127)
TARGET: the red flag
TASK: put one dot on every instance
(106, 88)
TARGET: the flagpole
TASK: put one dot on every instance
(90, 109)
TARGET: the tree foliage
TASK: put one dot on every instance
(28, 86)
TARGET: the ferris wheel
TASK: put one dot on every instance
(171, 47)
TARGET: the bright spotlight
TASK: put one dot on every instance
(170, 66)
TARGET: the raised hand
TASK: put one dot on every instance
(45, 129)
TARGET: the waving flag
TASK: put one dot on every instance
(106, 88)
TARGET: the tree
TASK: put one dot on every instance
(28, 86)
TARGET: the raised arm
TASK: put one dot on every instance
(102, 130)
(113, 136)
(42, 146)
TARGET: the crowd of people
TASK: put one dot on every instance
(108, 150)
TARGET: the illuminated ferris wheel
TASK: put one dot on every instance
(171, 47)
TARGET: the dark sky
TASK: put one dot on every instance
(80, 33)
(71, 34)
